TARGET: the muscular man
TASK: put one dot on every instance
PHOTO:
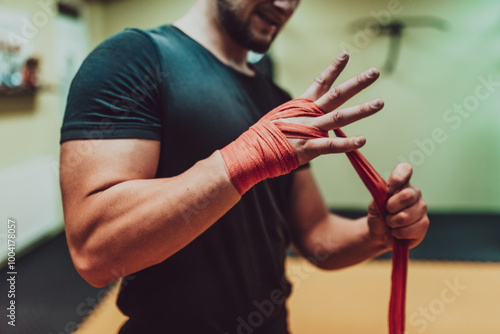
(159, 187)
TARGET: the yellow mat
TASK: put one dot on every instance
(443, 297)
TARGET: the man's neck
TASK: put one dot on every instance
(202, 24)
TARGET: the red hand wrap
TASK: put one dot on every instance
(377, 187)
(263, 151)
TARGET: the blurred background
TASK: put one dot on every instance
(440, 80)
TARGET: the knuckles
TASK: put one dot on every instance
(334, 93)
(320, 80)
(416, 231)
(399, 220)
(364, 109)
(338, 117)
(415, 213)
(337, 146)
(407, 195)
(360, 78)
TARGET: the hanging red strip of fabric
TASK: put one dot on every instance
(377, 187)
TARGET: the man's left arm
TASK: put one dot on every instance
(331, 241)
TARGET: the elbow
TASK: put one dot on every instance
(91, 273)
(323, 264)
(94, 269)
(318, 256)
(89, 259)
(329, 265)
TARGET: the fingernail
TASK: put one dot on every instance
(377, 103)
(343, 55)
(359, 141)
(372, 72)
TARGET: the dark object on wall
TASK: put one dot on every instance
(67, 10)
(394, 29)
(18, 76)
(22, 81)
(30, 74)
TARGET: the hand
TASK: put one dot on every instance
(406, 212)
(329, 99)
(269, 150)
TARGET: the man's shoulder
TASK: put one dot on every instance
(135, 39)
(163, 36)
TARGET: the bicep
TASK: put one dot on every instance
(308, 208)
(88, 167)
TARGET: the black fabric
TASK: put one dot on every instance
(116, 92)
(162, 85)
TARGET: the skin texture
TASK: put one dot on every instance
(113, 205)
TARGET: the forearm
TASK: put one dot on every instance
(338, 242)
(135, 224)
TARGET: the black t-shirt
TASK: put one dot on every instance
(162, 85)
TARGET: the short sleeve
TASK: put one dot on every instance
(116, 92)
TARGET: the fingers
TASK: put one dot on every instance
(399, 178)
(316, 147)
(336, 96)
(325, 80)
(408, 219)
(415, 231)
(340, 118)
(403, 199)
(407, 216)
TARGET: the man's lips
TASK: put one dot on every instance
(271, 18)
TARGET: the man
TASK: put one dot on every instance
(168, 192)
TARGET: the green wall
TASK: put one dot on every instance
(456, 157)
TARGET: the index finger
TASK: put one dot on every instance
(336, 96)
(325, 80)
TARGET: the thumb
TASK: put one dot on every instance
(373, 211)
(399, 178)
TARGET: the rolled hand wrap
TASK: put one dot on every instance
(263, 151)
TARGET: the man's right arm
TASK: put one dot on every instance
(119, 219)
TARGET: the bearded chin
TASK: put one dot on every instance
(254, 44)
(239, 30)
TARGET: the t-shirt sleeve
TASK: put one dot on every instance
(116, 92)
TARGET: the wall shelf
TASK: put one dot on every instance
(17, 92)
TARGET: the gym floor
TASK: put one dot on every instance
(453, 287)
(443, 297)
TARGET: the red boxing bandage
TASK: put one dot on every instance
(263, 151)
(377, 187)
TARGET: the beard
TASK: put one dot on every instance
(239, 30)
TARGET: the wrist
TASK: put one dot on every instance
(264, 151)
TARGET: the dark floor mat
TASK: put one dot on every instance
(51, 298)
(463, 237)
